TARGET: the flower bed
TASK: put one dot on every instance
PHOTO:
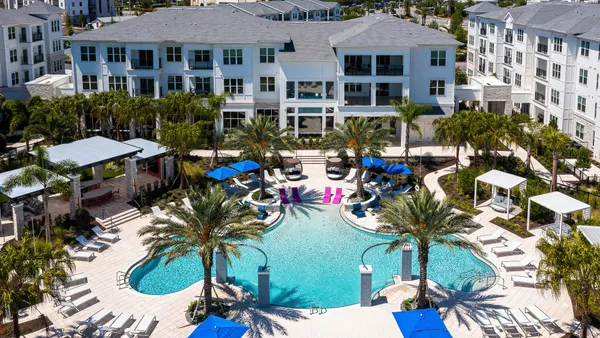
(517, 226)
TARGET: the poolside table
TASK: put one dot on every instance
(97, 196)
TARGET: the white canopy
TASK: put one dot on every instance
(557, 202)
(591, 233)
(20, 191)
(500, 179)
(150, 149)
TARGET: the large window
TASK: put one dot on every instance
(175, 82)
(117, 82)
(290, 88)
(271, 114)
(116, 54)
(267, 84)
(15, 78)
(202, 85)
(12, 33)
(89, 82)
(519, 57)
(558, 42)
(88, 53)
(556, 71)
(56, 25)
(518, 80)
(173, 54)
(471, 40)
(437, 87)
(507, 56)
(57, 65)
(555, 96)
(438, 57)
(581, 101)
(506, 76)
(233, 119)
(267, 55)
(232, 56)
(234, 86)
(492, 47)
(585, 48)
(352, 87)
(491, 67)
(583, 76)
(579, 130)
(310, 90)
(13, 55)
(492, 28)
(329, 90)
(520, 35)
(56, 45)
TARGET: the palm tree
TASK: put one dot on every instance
(497, 130)
(21, 112)
(571, 263)
(30, 270)
(181, 138)
(477, 132)
(558, 142)
(120, 111)
(261, 136)
(53, 122)
(50, 177)
(215, 221)
(531, 138)
(212, 112)
(363, 137)
(424, 8)
(408, 112)
(428, 222)
(452, 131)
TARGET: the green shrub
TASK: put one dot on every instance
(515, 228)
(466, 180)
(537, 212)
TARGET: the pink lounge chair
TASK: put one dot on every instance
(327, 197)
(338, 196)
(283, 196)
(296, 195)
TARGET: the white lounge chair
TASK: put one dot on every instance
(77, 304)
(87, 244)
(238, 183)
(94, 319)
(228, 188)
(278, 175)
(389, 185)
(507, 324)
(517, 265)
(105, 235)
(73, 293)
(493, 237)
(269, 178)
(366, 176)
(524, 323)
(254, 179)
(376, 182)
(76, 279)
(157, 213)
(117, 324)
(547, 323)
(402, 190)
(351, 176)
(524, 281)
(187, 203)
(142, 327)
(487, 328)
(509, 248)
(83, 255)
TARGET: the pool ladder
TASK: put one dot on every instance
(122, 279)
(318, 309)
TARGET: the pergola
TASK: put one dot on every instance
(591, 233)
(500, 179)
(561, 204)
(153, 151)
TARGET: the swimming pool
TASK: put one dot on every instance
(314, 254)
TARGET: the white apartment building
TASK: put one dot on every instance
(306, 75)
(292, 10)
(91, 9)
(32, 43)
(548, 53)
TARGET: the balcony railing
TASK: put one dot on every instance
(357, 70)
(38, 58)
(541, 48)
(508, 60)
(143, 92)
(386, 100)
(358, 100)
(22, 38)
(508, 38)
(141, 64)
(541, 73)
(541, 98)
(481, 50)
(37, 36)
(390, 70)
(193, 64)
(482, 31)
(24, 61)
(202, 90)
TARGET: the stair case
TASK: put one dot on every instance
(118, 219)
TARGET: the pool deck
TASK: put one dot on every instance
(350, 321)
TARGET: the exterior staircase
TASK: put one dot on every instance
(311, 159)
(118, 219)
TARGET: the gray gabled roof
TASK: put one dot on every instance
(482, 7)
(41, 8)
(282, 6)
(308, 5)
(11, 17)
(255, 8)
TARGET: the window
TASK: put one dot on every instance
(437, 87)
(329, 90)
(233, 119)
(553, 118)
(520, 35)
(232, 56)
(12, 33)
(56, 45)
(581, 103)
(202, 85)
(554, 96)
(579, 130)
(173, 54)
(234, 86)
(583, 75)
(518, 80)
(556, 71)
(492, 47)
(508, 36)
(90, 82)
(507, 56)
(290, 87)
(15, 78)
(353, 87)
(438, 57)
(506, 76)
(310, 90)
(491, 67)
(88, 53)
(558, 42)
(57, 66)
(471, 40)
(117, 82)
(116, 54)
(585, 48)
(174, 82)
(13, 55)
(492, 28)
(519, 58)
(470, 57)
(470, 72)
(267, 84)
(56, 25)
(267, 55)
(472, 23)
(271, 114)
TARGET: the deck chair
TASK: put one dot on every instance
(403, 190)
(73, 293)
(278, 175)
(283, 196)
(187, 203)
(262, 212)
(103, 235)
(156, 212)
(358, 211)
(351, 176)
(296, 195)
(524, 281)
(327, 196)
(366, 176)
(507, 324)
(509, 248)
(268, 178)
(238, 183)
(484, 322)
(338, 196)
(77, 305)
(376, 182)
(493, 237)
(517, 265)
(76, 279)
(389, 185)
(82, 255)
(90, 244)
(94, 319)
(117, 324)
(143, 326)
(547, 323)
(228, 188)
(254, 179)
(526, 325)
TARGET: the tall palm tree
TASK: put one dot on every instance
(102, 103)
(261, 136)
(428, 222)
(408, 112)
(558, 142)
(181, 138)
(477, 132)
(363, 137)
(531, 138)
(21, 112)
(498, 127)
(424, 8)
(50, 177)
(30, 270)
(212, 112)
(452, 131)
(120, 111)
(53, 122)
(215, 221)
(571, 263)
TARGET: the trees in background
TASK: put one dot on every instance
(460, 77)
(583, 161)
(558, 142)
(452, 131)
(181, 138)
(408, 112)
(21, 113)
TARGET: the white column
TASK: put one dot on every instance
(221, 267)
(528, 212)
(131, 177)
(169, 162)
(97, 173)
(508, 205)
(18, 219)
(75, 201)
(474, 195)
(366, 284)
(406, 262)
(264, 293)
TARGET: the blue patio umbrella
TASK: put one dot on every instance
(372, 162)
(245, 166)
(396, 169)
(216, 327)
(222, 173)
(424, 323)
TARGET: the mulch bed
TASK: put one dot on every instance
(514, 225)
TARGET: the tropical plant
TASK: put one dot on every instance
(460, 77)
(180, 138)
(558, 142)
(427, 222)
(30, 270)
(406, 4)
(583, 161)
(497, 129)
(21, 112)
(215, 221)
(52, 121)
(452, 131)
(477, 132)
(531, 138)
(456, 20)
(212, 112)
(408, 112)
(424, 8)
(573, 264)
(261, 136)
(360, 135)
(50, 177)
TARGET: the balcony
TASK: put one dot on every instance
(539, 97)
(482, 31)
(542, 48)
(38, 58)
(386, 100)
(37, 36)
(357, 100)
(193, 64)
(144, 92)
(142, 64)
(24, 61)
(357, 65)
(508, 60)
(482, 50)
(541, 73)
(22, 38)
(202, 91)
(357, 70)
(390, 70)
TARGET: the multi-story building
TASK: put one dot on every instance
(292, 10)
(306, 75)
(32, 43)
(91, 9)
(549, 53)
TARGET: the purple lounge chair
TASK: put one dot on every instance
(283, 196)
(296, 195)
(327, 197)
(338, 196)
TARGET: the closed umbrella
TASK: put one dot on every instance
(216, 327)
(222, 173)
(245, 166)
(372, 162)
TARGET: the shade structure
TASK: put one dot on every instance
(222, 173)
(424, 323)
(150, 150)
(500, 179)
(591, 233)
(245, 166)
(22, 191)
(216, 327)
(561, 204)
(396, 169)
(372, 162)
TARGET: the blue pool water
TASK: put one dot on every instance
(313, 254)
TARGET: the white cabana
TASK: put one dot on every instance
(591, 233)
(561, 204)
(500, 179)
